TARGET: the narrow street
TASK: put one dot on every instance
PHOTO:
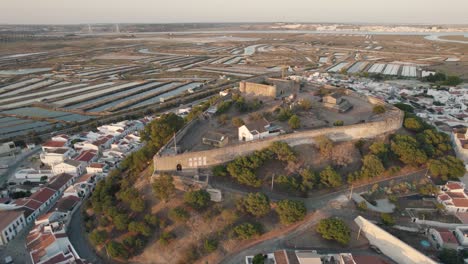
(77, 236)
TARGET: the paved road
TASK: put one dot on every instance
(77, 236)
(17, 163)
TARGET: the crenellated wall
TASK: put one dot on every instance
(393, 120)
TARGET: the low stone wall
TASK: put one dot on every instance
(208, 158)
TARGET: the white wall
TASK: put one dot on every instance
(391, 246)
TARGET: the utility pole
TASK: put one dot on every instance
(359, 233)
(272, 181)
(175, 143)
(351, 192)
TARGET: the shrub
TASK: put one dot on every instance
(284, 114)
(378, 109)
(164, 187)
(219, 171)
(210, 245)
(259, 259)
(334, 229)
(165, 238)
(338, 123)
(362, 206)
(116, 250)
(294, 122)
(237, 122)
(140, 228)
(178, 214)
(387, 219)
(151, 220)
(98, 237)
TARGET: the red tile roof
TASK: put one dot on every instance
(54, 144)
(86, 156)
(7, 217)
(447, 236)
(365, 259)
(454, 185)
(42, 195)
(460, 202)
(59, 181)
(85, 177)
(444, 197)
(97, 165)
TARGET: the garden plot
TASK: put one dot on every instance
(105, 70)
(377, 68)
(12, 121)
(357, 67)
(32, 125)
(24, 71)
(323, 59)
(391, 69)
(338, 67)
(136, 92)
(19, 84)
(234, 60)
(409, 71)
(117, 95)
(41, 93)
(100, 92)
(31, 87)
(250, 50)
(167, 94)
(221, 60)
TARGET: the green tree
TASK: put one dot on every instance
(197, 199)
(387, 219)
(165, 238)
(408, 150)
(378, 109)
(259, 259)
(404, 107)
(448, 167)
(116, 250)
(334, 229)
(219, 171)
(453, 81)
(372, 167)
(160, 130)
(247, 230)
(310, 179)
(256, 204)
(290, 211)
(283, 151)
(294, 122)
(413, 124)
(121, 221)
(137, 205)
(140, 228)
(179, 214)
(98, 237)
(164, 187)
(330, 178)
(151, 220)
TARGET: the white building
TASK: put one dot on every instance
(33, 175)
(83, 186)
(7, 149)
(97, 168)
(453, 197)
(11, 223)
(54, 156)
(257, 129)
(73, 167)
(461, 232)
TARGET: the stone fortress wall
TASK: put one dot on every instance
(389, 122)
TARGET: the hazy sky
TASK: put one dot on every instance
(161, 11)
